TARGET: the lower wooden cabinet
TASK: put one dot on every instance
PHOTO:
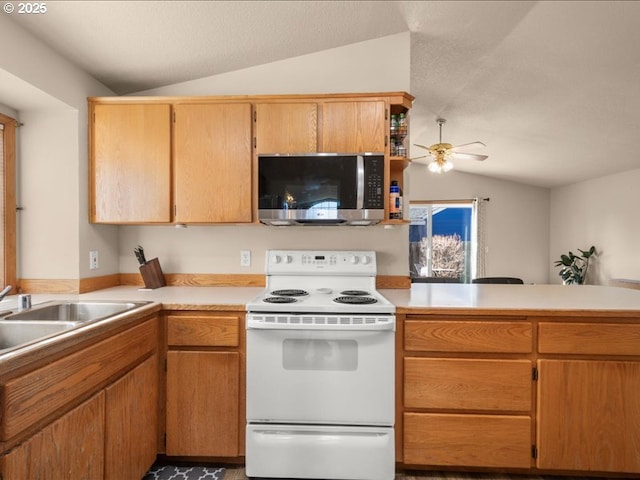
(205, 384)
(467, 392)
(131, 422)
(589, 415)
(469, 401)
(202, 403)
(111, 435)
(70, 447)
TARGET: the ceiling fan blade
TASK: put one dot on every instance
(468, 145)
(469, 156)
(419, 158)
(421, 146)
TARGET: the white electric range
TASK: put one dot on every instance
(320, 369)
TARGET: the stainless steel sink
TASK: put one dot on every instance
(73, 311)
(53, 318)
(14, 334)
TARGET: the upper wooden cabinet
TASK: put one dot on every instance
(212, 163)
(130, 164)
(354, 126)
(286, 127)
(194, 159)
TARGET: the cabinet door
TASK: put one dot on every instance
(71, 447)
(357, 126)
(286, 127)
(589, 415)
(212, 163)
(131, 423)
(202, 403)
(130, 164)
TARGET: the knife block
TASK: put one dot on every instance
(152, 274)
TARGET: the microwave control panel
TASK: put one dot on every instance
(374, 178)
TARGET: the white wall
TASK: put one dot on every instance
(378, 65)
(206, 249)
(601, 212)
(9, 112)
(48, 192)
(373, 66)
(49, 95)
(517, 219)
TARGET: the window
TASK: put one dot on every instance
(442, 241)
(7, 202)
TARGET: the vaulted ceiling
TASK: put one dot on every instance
(552, 88)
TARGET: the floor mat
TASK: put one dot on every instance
(175, 472)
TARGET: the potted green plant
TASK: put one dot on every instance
(574, 267)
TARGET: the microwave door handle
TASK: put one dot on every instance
(360, 181)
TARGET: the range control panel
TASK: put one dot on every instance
(320, 262)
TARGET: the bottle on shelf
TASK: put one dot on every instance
(402, 124)
(395, 201)
(400, 204)
(394, 124)
(392, 147)
(400, 150)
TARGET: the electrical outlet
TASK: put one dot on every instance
(93, 260)
(245, 258)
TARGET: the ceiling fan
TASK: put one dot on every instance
(442, 153)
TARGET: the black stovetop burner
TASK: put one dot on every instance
(290, 292)
(354, 293)
(279, 300)
(355, 300)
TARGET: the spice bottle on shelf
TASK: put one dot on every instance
(400, 150)
(392, 147)
(402, 124)
(394, 125)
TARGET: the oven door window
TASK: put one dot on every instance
(317, 376)
(304, 183)
(321, 354)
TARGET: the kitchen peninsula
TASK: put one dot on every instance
(525, 378)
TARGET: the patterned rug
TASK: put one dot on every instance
(175, 472)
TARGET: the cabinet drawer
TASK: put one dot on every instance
(589, 338)
(468, 336)
(467, 440)
(201, 330)
(468, 384)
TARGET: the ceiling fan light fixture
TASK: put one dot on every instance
(440, 166)
(443, 152)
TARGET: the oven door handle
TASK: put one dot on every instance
(374, 327)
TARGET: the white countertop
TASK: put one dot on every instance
(421, 296)
(514, 297)
(178, 298)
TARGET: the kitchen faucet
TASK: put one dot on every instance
(5, 292)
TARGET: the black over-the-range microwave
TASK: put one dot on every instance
(321, 189)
